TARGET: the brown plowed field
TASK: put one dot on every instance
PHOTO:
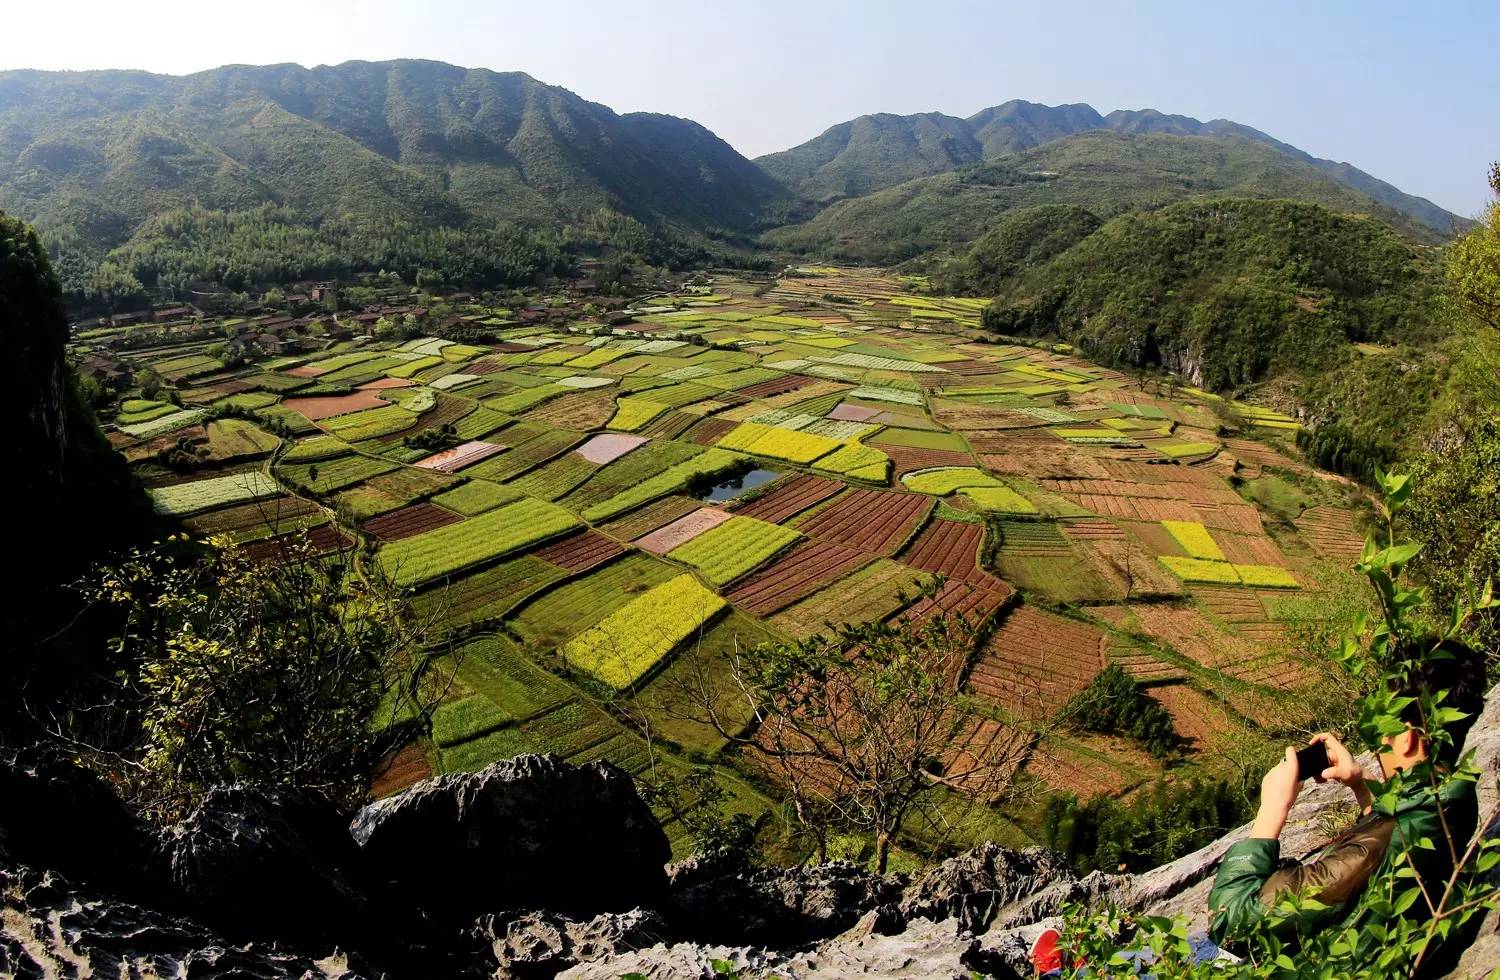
(1331, 532)
(324, 538)
(581, 412)
(974, 602)
(950, 549)
(796, 575)
(775, 386)
(984, 746)
(682, 530)
(905, 459)
(1231, 605)
(401, 770)
(409, 521)
(1091, 530)
(710, 431)
(580, 552)
(878, 521)
(1074, 772)
(447, 410)
(650, 517)
(455, 459)
(327, 406)
(790, 499)
(1035, 661)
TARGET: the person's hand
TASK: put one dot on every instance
(1278, 791)
(1342, 767)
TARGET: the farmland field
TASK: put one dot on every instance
(546, 495)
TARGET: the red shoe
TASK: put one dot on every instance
(1045, 954)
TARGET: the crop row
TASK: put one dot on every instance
(625, 646)
(728, 551)
(674, 478)
(508, 528)
(182, 499)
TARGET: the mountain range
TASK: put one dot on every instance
(93, 157)
(873, 152)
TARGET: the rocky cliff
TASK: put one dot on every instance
(531, 868)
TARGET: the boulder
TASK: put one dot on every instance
(541, 944)
(532, 832)
(258, 865)
(49, 928)
(976, 885)
(781, 908)
(60, 816)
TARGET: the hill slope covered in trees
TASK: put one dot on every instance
(873, 152)
(1107, 173)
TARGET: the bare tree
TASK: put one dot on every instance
(859, 723)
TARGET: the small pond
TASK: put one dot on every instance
(736, 485)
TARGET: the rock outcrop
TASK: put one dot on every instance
(533, 868)
(530, 833)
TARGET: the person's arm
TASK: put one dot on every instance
(1235, 900)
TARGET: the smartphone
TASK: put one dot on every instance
(1312, 760)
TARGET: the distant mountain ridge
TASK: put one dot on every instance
(94, 154)
(874, 152)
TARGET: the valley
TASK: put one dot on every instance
(564, 494)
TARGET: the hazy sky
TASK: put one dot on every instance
(1409, 92)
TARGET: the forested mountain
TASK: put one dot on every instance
(1105, 172)
(1224, 292)
(92, 157)
(874, 152)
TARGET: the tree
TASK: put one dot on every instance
(298, 673)
(859, 723)
(1474, 263)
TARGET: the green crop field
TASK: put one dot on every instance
(624, 646)
(182, 499)
(726, 552)
(510, 527)
(556, 615)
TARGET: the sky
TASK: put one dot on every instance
(1407, 92)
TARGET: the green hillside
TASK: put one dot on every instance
(92, 158)
(874, 152)
(1107, 173)
(1223, 292)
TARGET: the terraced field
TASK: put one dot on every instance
(561, 525)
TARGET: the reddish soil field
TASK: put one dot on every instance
(409, 521)
(306, 371)
(1231, 605)
(790, 499)
(1035, 661)
(381, 384)
(608, 447)
(682, 530)
(870, 520)
(401, 770)
(1195, 717)
(452, 460)
(973, 602)
(323, 539)
(775, 386)
(987, 743)
(1330, 530)
(904, 459)
(1074, 772)
(580, 552)
(1091, 530)
(796, 575)
(950, 549)
(845, 412)
(710, 431)
(328, 406)
(650, 517)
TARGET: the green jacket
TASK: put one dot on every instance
(1249, 882)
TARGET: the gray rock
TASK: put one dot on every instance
(48, 928)
(532, 832)
(780, 908)
(540, 944)
(976, 886)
